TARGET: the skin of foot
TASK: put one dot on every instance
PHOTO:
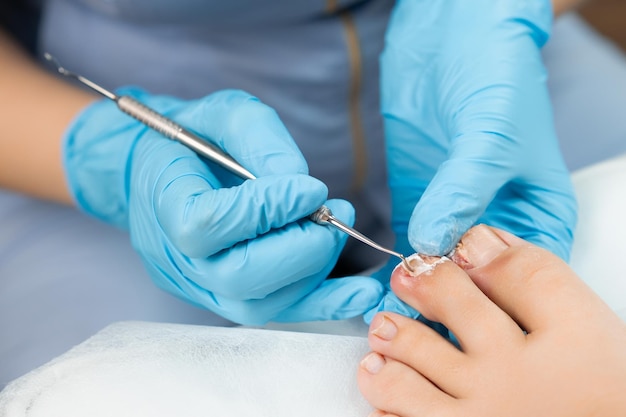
(533, 339)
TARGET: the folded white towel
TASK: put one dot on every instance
(155, 369)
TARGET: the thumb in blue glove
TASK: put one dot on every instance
(241, 250)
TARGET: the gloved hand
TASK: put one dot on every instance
(242, 250)
(468, 125)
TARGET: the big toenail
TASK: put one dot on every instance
(373, 363)
(478, 247)
(386, 330)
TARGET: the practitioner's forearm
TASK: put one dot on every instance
(562, 6)
(35, 110)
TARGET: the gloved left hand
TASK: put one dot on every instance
(468, 125)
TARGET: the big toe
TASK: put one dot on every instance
(532, 285)
(444, 293)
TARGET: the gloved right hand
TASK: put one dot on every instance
(242, 250)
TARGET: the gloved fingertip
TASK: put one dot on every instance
(436, 238)
(288, 198)
(253, 133)
(314, 188)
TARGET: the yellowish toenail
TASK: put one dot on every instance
(373, 363)
(386, 330)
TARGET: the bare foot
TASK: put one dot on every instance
(535, 340)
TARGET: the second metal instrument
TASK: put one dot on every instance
(174, 131)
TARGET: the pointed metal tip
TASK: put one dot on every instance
(406, 264)
(56, 63)
(81, 79)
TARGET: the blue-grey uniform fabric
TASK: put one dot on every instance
(293, 55)
(64, 276)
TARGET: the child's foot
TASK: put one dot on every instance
(535, 340)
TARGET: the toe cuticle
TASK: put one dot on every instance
(459, 257)
(420, 263)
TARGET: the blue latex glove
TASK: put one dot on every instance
(239, 249)
(468, 123)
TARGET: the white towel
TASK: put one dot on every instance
(600, 238)
(156, 369)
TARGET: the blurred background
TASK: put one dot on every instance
(608, 17)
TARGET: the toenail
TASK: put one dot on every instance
(478, 247)
(386, 330)
(373, 363)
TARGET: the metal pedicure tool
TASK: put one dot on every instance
(174, 131)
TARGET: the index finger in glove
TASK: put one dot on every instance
(201, 219)
(246, 129)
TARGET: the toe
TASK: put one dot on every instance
(398, 389)
(533, 286)
(446, 294)
(421, 348)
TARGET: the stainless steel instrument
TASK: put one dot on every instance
(174, 131)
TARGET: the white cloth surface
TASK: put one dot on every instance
(599, 239)
(151, 369)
